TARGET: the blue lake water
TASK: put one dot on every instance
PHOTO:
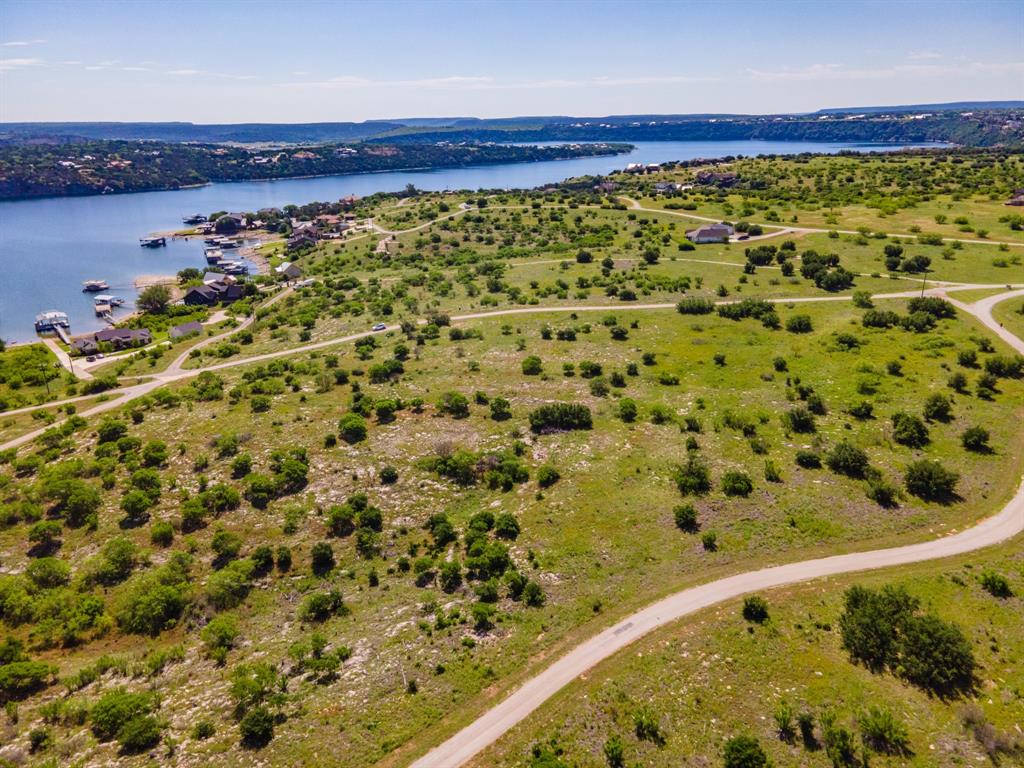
(49, 247)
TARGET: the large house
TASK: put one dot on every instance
(212, 293)
(711, 233)
(118, 338)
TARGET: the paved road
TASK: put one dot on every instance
(487, 729)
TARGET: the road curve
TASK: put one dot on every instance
(488, 728)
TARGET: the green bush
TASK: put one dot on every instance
(755, 608)
(547, 476)
(737, 484)
(883, 732)
(847, 459)
(560, 417)
(115, 709)
(744, 752)
(931, 481)
(257, 727)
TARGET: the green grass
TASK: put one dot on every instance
(602, 536)
(1010, 314)
(712, 676)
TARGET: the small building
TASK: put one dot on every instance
(185, 329)
(711, 233)
(300, 240)
(289, 270)
(85, 346)
(124, 338)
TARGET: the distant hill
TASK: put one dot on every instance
(911, 108)
(991, 122)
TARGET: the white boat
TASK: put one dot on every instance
(94, 286)
(51, 320)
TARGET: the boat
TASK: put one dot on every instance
(152, 242)
(104, 298)
(227, 242)
(102, 309)
(195, 218)
(95, 286)
(211, 240)
(51, 320)
(213, 255)
(234, 267)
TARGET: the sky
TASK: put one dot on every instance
(280, 62)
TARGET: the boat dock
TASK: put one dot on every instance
(62, 333)
(152, 242)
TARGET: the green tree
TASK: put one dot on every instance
(154, 299)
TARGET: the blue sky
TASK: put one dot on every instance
(320, 61)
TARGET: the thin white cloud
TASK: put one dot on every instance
(921, 55)
(9, 65)
(136, 69)
(20, 43)
(184, 72)
(826, 72)
(486, 83)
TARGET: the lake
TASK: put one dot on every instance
(49, 247)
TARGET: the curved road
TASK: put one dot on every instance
(487, 729)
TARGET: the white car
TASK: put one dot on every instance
(380, 327)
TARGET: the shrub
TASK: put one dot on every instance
(995, 584)
(320, 606)
(685, 516)
(808, 459)
(909, 430)
(22, 678)
(870, 622)
(532, 366)
(219, 635)
(560, 416)
(388, 475)
(627, 409)
(710, 541)
(161, 533)
(322, 558)
(847, 459)
(936, 655)
(454, 404)
(755, 609)
(931, 481)
(693, 305)
(882, 493)
(230, 585)
(975, 439)
(693, 478)
(745, 752)
(883, 732)
(646, 726)
(799, 420)
(500, 409)
(799, 324)
(115, 709)
(737, 483)
(937, 407)
(257, 727)
(352, 428)
(139, 734)
(547, 476)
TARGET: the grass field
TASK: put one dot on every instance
(602, 538)
(714, 675)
